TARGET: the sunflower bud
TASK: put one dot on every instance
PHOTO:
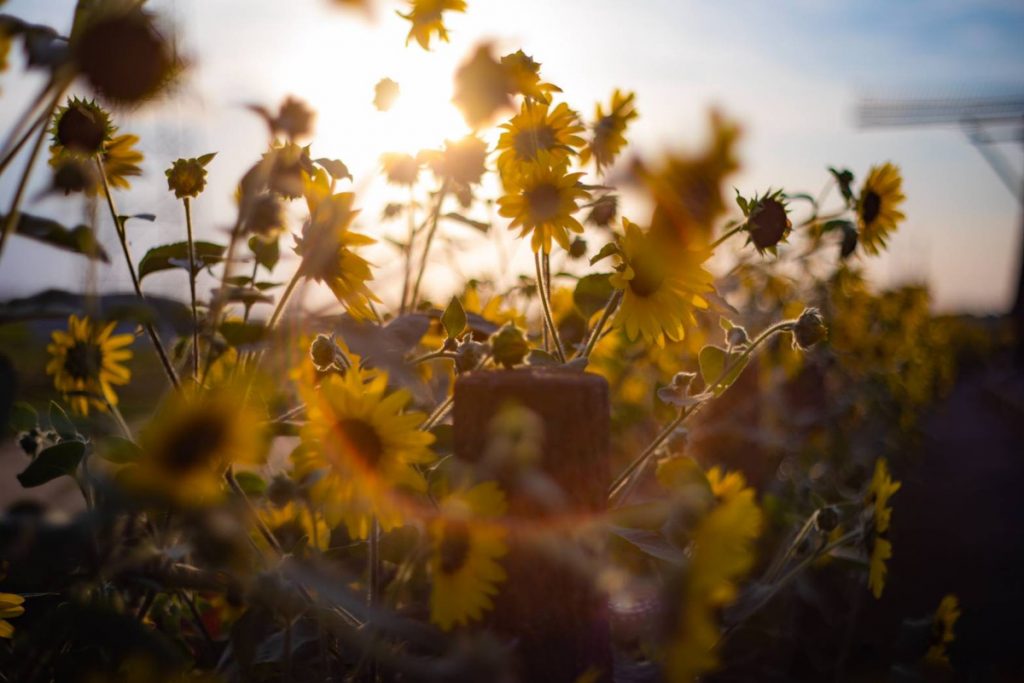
(468, 354)
(187, 177)
(736, 336)
(323, 351)
(266, 216)
(509, 345)
(603, 211)
(809, 329)
(578, 248)
(827, 519)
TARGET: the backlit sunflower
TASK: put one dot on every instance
(523, 73)
(86, 363)
(543, 201)
(82, 130)
(662, 283)
(878, 206)
(537, 132)
(326, 248)
(610, 130)
(191, 441)
(10, 607)
(942, 631)
(365, 446)
(721, 554)
(467, 542)
(881, 489)
(427, 19)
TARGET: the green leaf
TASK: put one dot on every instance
(337, 169)
(592, 293)
(541, 357)
(454, 318)
(607, 250)
(713, 362)
(239, 333)
(725, 324)
(837, 224)
(171, 256)
(459, 218)
(55, 461)
(267, 253)
(206, 158)
(79, 239)
(141, 216)
(264, 286)
(844, 179)
(252, 483)
(61, 423)
(23, 417)
(119, 451)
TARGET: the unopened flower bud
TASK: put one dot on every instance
(281, 490)
(809, 329)
(578, 248)
(827, 519)
(323, 351)
(469, 354)
(186, 178)
(509, 345)
(736, 336)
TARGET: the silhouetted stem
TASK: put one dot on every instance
(545, 302)
(192, 289)
(435, 218)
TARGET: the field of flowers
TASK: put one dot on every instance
(672, 451)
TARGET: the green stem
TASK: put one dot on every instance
(433, 355)
(407, 275)
(595, 335)
(11, 220)
(275, 317)
(438, 414)
(192, 288)
(545, 302)
(122, 237)
(727, 235)
(435, 218)
(10, 152)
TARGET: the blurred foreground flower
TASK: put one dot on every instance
(10, 607)
(86, 363)
(609, 137)
(426, 17)
(880, 491)
(468, 540)
(878, 206)
(942, 633)
(364, 446)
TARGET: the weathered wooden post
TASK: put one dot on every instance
(550, 605)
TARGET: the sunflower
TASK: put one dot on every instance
(467, 543)
(543, 201)
(523, 73)
(610, 130)
(880, 490)
(662, 283)
(366, 446)
(721, 554)
(538, 131)
(326, 248)
(192, 440)
(10, 607)
(82, 130)
(427, 19)
(878, 206)
(942, 634)
(86, 362)
(294, 526)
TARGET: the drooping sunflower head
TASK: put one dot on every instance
(86, 362)
(538, 131)
(768, 221)
(82, 127)
(366, 446)
(427, 19)
(610, 130)
(662, 284)
(122, 52)
(468, 540)
(192, 440)
(542, 200)
(878, 206)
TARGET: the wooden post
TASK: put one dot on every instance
(549, 605)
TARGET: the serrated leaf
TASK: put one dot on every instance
(79, 239)
(252, 483)
(171, 256)
(454, 318)
(61, 423)
(713, 363)
(592, 293)
(119, 451)
(267, 253)
(55, 461)
(337, 169)
(23, 417)
(239, 333)
(459, 218)
(610, 249)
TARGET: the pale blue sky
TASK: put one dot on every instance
(791, 72)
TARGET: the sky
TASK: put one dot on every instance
(791, 72)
